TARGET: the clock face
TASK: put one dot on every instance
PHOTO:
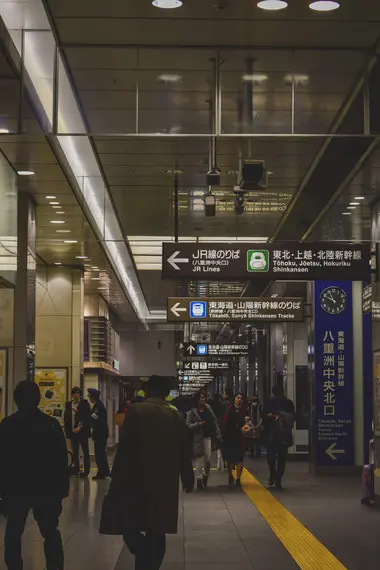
(333, 300)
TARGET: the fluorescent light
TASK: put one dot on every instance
(170, 77)
(54, 203)
(81, 257)
(60, 212)
(50, 197)
(57, 263)
(4, 131)
(167, 4)
(354, 204)
(255, 77)
(57, 221)
(359, 198)
(272, 4)
(63, 231)
(324, 5)
(95, 278)
(70, 241)
(25, 172)
(351, 207)
(102, 288)
(346, 213)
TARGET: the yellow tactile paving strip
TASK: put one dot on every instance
(307, 551)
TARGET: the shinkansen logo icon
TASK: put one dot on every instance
(258, 260)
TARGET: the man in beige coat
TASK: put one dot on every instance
(153, 453)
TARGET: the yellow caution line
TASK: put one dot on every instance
(307, 551)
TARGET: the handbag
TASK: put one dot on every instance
(112, 517)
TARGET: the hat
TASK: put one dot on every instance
(93, 392)
(141, 394)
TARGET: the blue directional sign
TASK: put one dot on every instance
(202, 349)
(198, 310)
(334, 390)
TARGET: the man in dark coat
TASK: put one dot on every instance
(34, 476)
(100, 433)
(153, 453)
(77, 429)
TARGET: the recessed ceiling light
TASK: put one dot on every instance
(102, 288)
(324, 5)
(167, 4)
(346, 213)
(272, 4)
(359, 198)
(354, 204)
(60, 212)
(95, 278)
(70, 241)
(57, 263)
(25, 172)
(81, 257)
(351, 207)
(63, 231)
(50, 197)
(170, 77)
(57, 221)
(255, 77)
(95, 268)
(4, 131)
(54, 203)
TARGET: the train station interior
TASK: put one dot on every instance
(191, 189)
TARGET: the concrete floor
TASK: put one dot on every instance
(220, 529)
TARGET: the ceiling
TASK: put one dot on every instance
(150, 110)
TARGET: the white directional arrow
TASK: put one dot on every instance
(187, 365)
(177, 309)
(174, 259)
(191, 348)
(331, 451)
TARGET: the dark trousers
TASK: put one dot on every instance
(149, 549)
(254, 447)
(82, 442)
(46, 513)
(100, 447)
(277, 455)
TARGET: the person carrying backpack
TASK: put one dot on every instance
(278, 416)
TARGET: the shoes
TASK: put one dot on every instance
(231, 481)
(199, 483)
(205, 480)
(271, 481)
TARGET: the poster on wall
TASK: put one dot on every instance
(3, 379)
(53, 387)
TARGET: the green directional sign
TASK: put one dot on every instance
(258, 260)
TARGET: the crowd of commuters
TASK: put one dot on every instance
(161, 441)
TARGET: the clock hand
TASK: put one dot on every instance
(331, 297)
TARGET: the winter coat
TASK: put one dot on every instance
(192, 421)
(153, 453)
(82, 416)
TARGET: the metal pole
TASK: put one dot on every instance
(55, 91)
(176, 220)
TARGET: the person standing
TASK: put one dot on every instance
(34, 475)
(77, 429)
(278, 416)
(233, 439)
(154, 452)
(203, 424)
(100, 433)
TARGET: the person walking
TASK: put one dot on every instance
(206, 435)
(100, 433)
(278, 416)
(153, 453)
(233, 439)
(77, 429)
(34, 475)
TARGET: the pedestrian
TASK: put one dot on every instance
(278, 416)
(256, 419)
(100, 433)
(142, 502)
(206, 435)
(34, 476)
(233, 439)
(77, 419)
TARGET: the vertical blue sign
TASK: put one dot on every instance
(334, 382)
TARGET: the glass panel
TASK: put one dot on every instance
(39, 55)
(256, 93)
(69, 117)
(175, 91)
(8, 222)
(9, 98)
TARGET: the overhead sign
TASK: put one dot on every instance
(218, 309)
(334, 391)
(290, 261)
(198, 350)
(204, 366)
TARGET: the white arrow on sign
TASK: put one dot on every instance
(174, 259)
(187, 365)
(331, 451)
(177, 309)
(191, 348)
